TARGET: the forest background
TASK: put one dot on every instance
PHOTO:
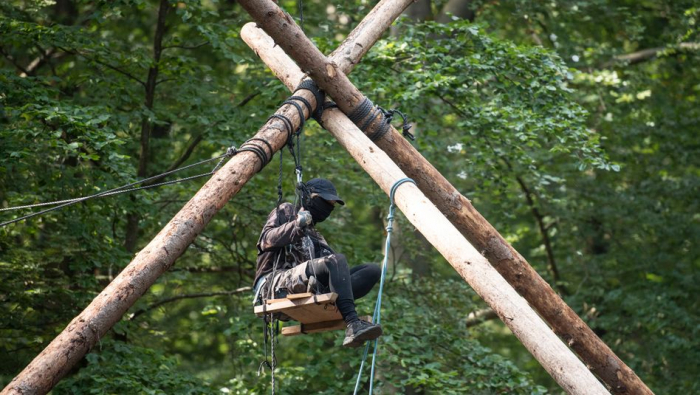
(571, 125)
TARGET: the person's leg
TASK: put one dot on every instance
(363, 278)
(332, 271)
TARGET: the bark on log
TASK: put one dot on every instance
(69, 347)
(566, 369)
(537, 337)
(617, 376)
(85, 330)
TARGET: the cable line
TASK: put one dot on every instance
(231, 151)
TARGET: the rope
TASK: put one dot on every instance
(231, 151)
(301, 15)
(376, 317)
(269, 321)
(309, 85)
(369, 113)
(361, 111)
(302, 118)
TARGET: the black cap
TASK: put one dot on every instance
(324, 189)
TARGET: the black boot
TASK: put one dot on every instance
(359, 332)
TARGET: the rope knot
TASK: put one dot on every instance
(231, 151)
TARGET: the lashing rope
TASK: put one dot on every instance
(376, 317)
(271, 322)
(367, 111)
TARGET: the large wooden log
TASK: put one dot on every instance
(537, 337)
(85, 330)
(617, 376)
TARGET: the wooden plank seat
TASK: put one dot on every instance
(306, 308)
(315, 313)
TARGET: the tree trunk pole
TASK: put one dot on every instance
(537, 337)
(617, 376)
(85, 330)
(566, 369)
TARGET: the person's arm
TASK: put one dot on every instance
(275, 235)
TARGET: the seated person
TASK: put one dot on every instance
(290, 237)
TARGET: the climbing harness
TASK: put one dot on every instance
(376, 317)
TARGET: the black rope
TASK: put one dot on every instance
(309, 85)
(287, 124)
(405, 127)
(304, 101)
(384, 127)
(301, 15)
(258, 151)
(369, 113)
(302, 119)
(361, 111)
(269, 146)
(377, 112)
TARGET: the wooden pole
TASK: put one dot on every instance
(537, 337)
(617, 376)
(85, 330)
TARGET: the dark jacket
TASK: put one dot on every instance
(281, 231)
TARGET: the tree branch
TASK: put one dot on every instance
(649, 54)
(185, 155)
(185, 46)
(164, 80)
(12, 60)
(247, 99)
(480, 316)
(132, 223)
(187, 296)
(539, 218)
(43, 58)
(107, 65)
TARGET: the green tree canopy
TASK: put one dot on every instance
(571, 125)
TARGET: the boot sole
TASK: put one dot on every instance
(360, 339)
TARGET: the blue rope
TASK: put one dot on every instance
(376, 317)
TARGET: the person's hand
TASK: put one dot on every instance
(304, 218)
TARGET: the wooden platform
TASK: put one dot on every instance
(315, 313)
(306, 308)
(316, 327)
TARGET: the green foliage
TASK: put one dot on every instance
(118, 368)
(537, 113)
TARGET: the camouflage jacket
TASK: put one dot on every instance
(283, 241)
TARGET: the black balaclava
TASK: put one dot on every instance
(319, 208)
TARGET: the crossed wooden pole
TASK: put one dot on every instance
(428, 206)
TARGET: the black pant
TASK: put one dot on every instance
(332, 271)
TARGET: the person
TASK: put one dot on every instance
(293, 257)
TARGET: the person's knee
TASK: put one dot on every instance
(374, 272)
(336, 260)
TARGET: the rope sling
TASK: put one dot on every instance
(376, 317)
